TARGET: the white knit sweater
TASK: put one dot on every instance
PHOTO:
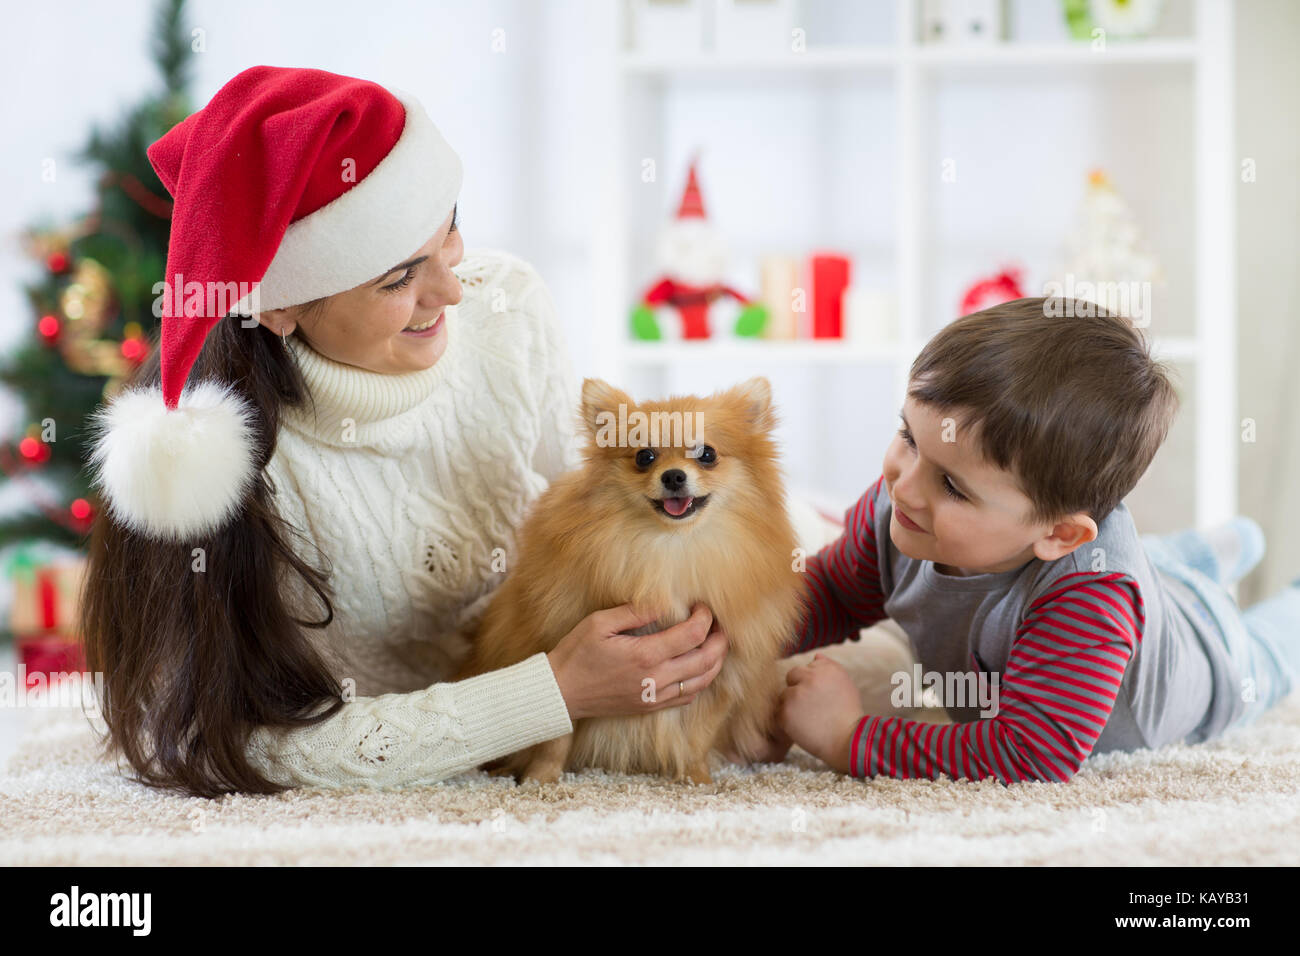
(409, 484)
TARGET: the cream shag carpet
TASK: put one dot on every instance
(1232, 801)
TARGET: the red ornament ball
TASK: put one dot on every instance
(57, 262)
(134, 350)
(48, 327)
(31, 449)
(81, 509)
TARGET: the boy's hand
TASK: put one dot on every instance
(820, 710)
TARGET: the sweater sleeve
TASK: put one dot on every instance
(844, 590)
(1063, 673)
(422, 737)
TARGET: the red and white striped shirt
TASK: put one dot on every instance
(1062, 638)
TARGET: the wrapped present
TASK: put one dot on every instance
(48, 655)
(43, 614)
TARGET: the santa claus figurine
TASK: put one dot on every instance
(693, 258)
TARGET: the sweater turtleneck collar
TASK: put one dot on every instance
(369, 398)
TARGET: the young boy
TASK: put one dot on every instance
(997, 538)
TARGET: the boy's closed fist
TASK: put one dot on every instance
(820, 709)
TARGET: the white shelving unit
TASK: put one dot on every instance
(917, 78)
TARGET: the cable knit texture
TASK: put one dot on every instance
(412, 487)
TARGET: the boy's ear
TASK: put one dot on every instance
(755, 397)
(600, 399)
(1071, 532)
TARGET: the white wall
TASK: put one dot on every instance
(529, 123)
(1268, 302)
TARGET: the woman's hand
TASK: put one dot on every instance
(604, 673)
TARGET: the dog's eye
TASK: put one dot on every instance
(705, 454)
(645, 457)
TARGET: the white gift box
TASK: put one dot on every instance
(870, 318)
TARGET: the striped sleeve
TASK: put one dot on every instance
(844, 593)
(1061, 679)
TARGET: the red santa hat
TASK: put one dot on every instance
(290, 185)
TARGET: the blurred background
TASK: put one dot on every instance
(712, 189)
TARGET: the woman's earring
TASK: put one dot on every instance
(284, 341)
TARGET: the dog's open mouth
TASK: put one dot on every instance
(678, 508)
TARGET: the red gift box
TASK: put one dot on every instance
(830, 277)
(48, 655)
(43, 620)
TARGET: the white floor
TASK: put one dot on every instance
(13, 720)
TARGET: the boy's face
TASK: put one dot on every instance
(983, 530)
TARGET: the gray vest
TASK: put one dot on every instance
(1179, 686)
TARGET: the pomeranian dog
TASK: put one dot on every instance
(676, 502)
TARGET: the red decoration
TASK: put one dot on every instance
(986, 293)
(34, 450)
(830, 277)
(49, 327)
(135, 350)
(692, 302)
(48, 595)
(57, 262)
(81, 510)
(692, 204)
(44, 641)
(50, 654)
(693, 258)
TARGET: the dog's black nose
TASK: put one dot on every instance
(674, 479)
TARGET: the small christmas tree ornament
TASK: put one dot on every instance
(1107, 259)
(693, 258)
(49, 328)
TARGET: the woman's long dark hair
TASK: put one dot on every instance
(194, 660)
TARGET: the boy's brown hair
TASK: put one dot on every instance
(1066, 397)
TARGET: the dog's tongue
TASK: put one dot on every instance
(677, 506)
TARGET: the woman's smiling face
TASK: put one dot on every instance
(367, 326)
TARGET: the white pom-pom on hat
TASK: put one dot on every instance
(175, 474)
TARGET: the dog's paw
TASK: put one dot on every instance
(697, 773)
(547, 772)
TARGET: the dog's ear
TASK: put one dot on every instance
(600, 401)
(755, 398)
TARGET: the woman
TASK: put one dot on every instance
(296, 546)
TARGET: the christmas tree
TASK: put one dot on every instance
(1108, 260)
(93, 316)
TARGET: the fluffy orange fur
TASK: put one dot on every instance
(594, 540)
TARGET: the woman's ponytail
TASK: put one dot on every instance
(196, 641)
